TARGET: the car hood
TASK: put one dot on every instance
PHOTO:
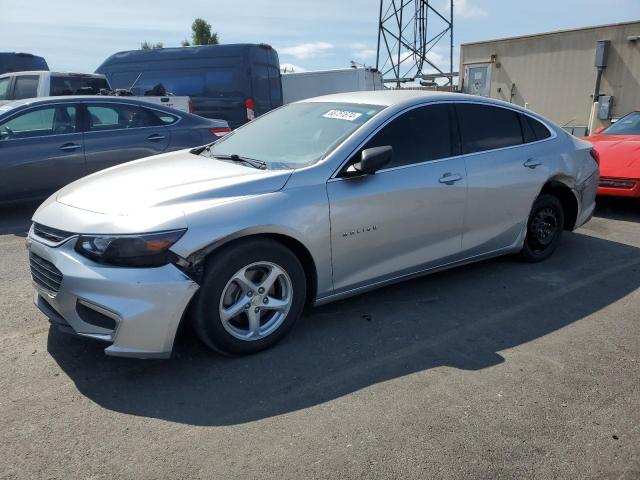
(167, 180)
(619, 155)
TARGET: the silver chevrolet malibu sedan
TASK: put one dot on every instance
(313, 202)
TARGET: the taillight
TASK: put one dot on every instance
(190, 106)
(595, 155)
(220, 131)
(251, 113)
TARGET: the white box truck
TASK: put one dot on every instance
(298, 86)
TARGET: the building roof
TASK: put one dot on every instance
(554, 32)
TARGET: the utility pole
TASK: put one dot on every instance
(408, 30)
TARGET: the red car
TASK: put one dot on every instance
(618, 147)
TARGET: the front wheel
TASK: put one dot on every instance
(251, 296)
(544, 229)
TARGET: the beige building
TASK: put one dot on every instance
(555, 73)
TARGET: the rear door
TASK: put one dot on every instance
(407, 217)
(504, 175)
(121, 132)
(41, 150)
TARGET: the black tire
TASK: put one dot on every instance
(544, 229)
(220, 269)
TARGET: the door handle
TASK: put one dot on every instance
(70, 147)
(532, 163)
(155, 137)
(450, 178)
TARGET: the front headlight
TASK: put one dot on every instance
(143, 250)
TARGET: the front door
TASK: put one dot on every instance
(407, 217)
(41, 150)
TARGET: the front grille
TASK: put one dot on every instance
(44, 273)
(51, 234)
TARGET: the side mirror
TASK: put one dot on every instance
(374, 159)
(598, 130)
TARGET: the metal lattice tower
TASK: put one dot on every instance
(405, 37)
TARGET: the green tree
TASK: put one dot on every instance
(185, 43)
(149, 46)
(202, 34)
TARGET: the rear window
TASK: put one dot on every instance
(486, 127)
(64, 85)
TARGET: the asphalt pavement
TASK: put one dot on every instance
(495, 370)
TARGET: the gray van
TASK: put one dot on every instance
(20, 61)
(234, 82)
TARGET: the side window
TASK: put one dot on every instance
(485, 127)
(165, 118)
(420, 135)
(4, 88)
(26, 86)
(115, 117)
(539, 129)
(527, 131)
(38, 123)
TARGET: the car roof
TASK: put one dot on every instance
(38, 72)
(81, 98)
(403, 97)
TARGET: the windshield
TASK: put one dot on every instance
(627, 125)
(296, 135)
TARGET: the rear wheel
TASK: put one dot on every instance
(252, 294)
(544, 229)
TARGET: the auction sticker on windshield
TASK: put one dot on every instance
(342, 115)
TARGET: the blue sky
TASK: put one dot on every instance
(78, 36)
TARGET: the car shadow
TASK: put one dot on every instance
(614, 208)
(15, 219)
(462, 318)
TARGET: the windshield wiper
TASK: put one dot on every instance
(252, 162)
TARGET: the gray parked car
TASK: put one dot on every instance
(313, 202)
(46, 143)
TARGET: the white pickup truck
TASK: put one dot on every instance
(19, 85)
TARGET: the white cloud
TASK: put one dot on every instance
(307, 50)
(291, 68)
(361, 52)
(462, 8)
(434, 57)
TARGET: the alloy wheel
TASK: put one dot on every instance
(256, 301)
